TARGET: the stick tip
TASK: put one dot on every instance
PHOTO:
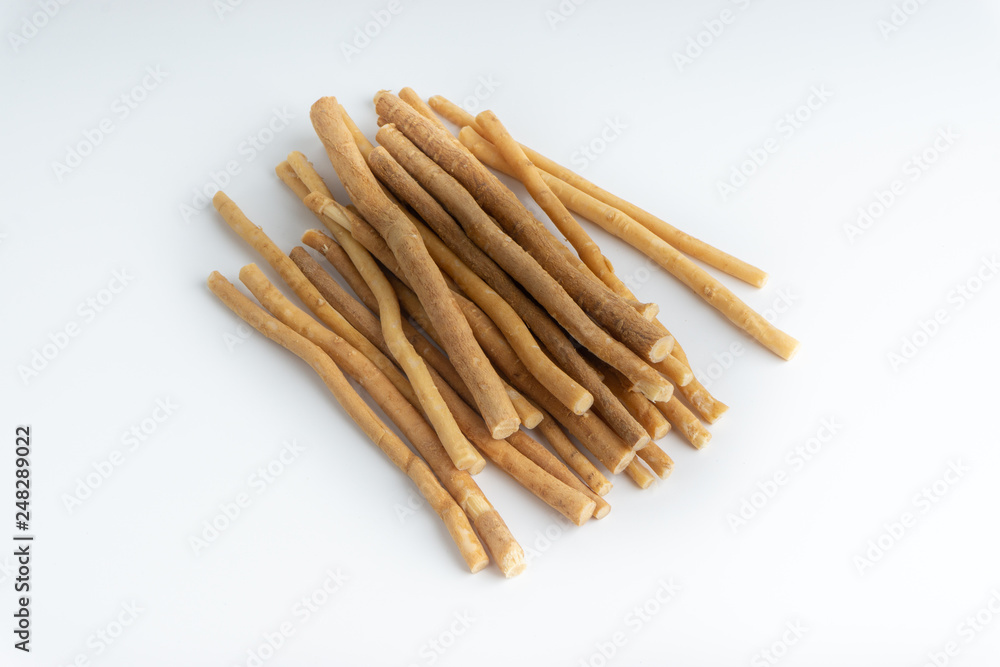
(316, 201)
(220, 199)
(661, 348)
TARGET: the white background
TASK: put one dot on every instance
(336, 507)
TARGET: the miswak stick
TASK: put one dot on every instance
(588, 429)
(606, 307)
(685, 422)
(572, 456)
(529, 414)
(588, 249)
(709, 407)
(684, 242)
(645, 413)
(595, 435)
(678, 265)
(640, 474)
(657, 460)
(525, 172)
(354, 312)
(401, 406)
(448, 191)
(548, 462)
(563, 387)
(536, 280)
(593, 262)
(255, 237)
(566, 500)
(426, 278)
(443, 504)
(458, 447)
(676, 367)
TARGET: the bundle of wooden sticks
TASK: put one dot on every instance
(536, 334)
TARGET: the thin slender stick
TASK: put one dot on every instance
(573, 396)
(402, 409)
(536, 280)
(685, 422)
(572, 504)
(443, 504)
(610, 450)
(657, 460)
(690, 274)
(548, 462)
(645, 413)
(426, 278)
(459, 449)
(304, 173)
(450, 193)
(640, 474)
(572, 456)
(606, 307)
(528, 175)
(684, 242)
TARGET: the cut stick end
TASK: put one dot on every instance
(789, 350)
(532, 420)
(660, 392)
(469, 460)
(602, 510)
(661, 348)
(583, 403)
(716, 412)
(316, 201)
(586, 511)
(460, 530)
(641, 442)
(623, 463)
(701, 439)
(495, 535)
(504, 428)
